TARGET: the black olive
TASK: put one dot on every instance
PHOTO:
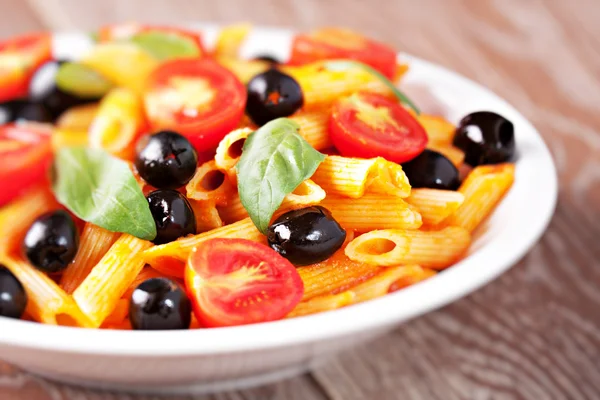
(306, 236)
(9, 110)
(486, 138)
(13, 298)
(43, 89)
(431, 169)
(159, 304)
(267, 58)
(271, 95)
(33, 111)
(52, 241)
(166, 160)
(172, 214)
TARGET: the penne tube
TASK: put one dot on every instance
(322, 303)
(439, 131)
(209, 183)
(206, 215)
(145, 274)
(77, 119)
(46, 301)
(99, 293)
(245, 70)
(483, 189)
(372, 211)
(170, 258)
(454, 154)
(17, 216)
(62, 137)
(230, 40)
(118, 315)
(431, 249)
(352, 177)
(314, 127)
(230, 150)
(435, 205)
(93, 244)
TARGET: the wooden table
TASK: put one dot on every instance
(532, 334)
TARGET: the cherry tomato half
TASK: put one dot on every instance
(371, 125)
(197, 98)
(19, 58)
(25, 156)
(334, 43)
(237, 282)
(114, 32)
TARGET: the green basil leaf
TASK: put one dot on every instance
(164, 45)
(344, 65)
(275, 160)
(82, 81)
(101, 189)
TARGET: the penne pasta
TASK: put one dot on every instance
(62, 137)
(93, 244)
(206, 214)
(46, 301)
(431, 249)
(118, 315)
(245, 70)
(439, 131)
(454, 154)
(314, 127)
(372, 211)
(17, 217)
(209, 183)
(352, 177)
(170, 258)
(77, 118)
(483, 189)
(99, 293)
(145, 274)
(230, 40)
(435, 205)
(230, 150)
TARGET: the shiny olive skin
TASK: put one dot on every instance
(9, 110)
(267, 58)
(431, 169)
(13, 298)
(159, 304)
(172, 214)
(166, 160)
(52, 241)
(43, 89)
(486, 138)
(271, 95)
(24, 110)
(306, 236)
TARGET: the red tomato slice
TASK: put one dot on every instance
(370, 125)
(25, 156)
(197, 98)
(110, 33)
(335, 43)
(237, 282)
(19, 58)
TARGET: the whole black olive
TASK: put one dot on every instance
(52, 241)
(33, 111)
(159, 304)
(9, 110)
(306, 236)
(271, 95)
(486, 138)
(172, 214)
(13, 298)
(268, 58)
(166, 160)
(431, 169)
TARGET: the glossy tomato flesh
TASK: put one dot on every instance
(197, 98)
(19, 58)
(334, 43)
(371, 125)
(25, 156)
(237, 282)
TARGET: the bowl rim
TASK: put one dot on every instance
(453, 283)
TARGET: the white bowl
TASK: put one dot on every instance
(213, 359)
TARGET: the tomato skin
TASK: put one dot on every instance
(109, 33)
(25, 156)
(31, 51)
(214, 116)
(237, 282)
(397, 136)
(333, 43)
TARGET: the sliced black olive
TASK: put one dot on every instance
(267, 58)
(166, 160)
(306, 236)
(52, 241)
(159, 304)
(271, 95)
(13, 298)
(486, 138)
(431, 169)
(172, 214)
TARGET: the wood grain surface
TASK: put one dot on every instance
(532, 334)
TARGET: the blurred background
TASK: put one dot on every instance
(532, 334)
